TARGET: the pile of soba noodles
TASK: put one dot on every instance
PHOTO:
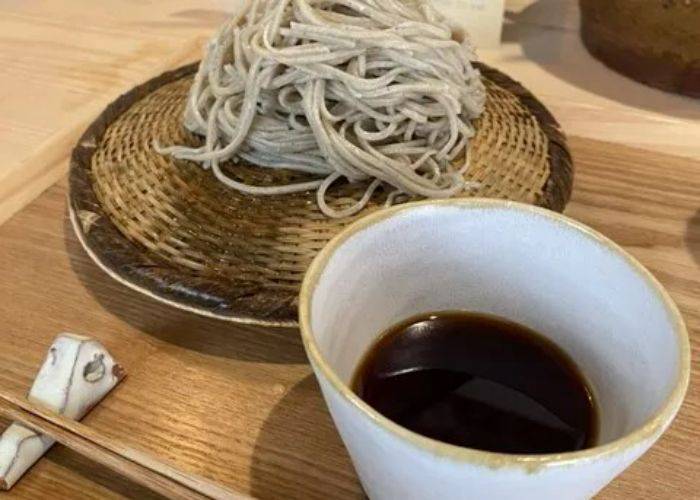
(344, 90)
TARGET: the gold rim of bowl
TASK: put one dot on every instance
(654, 425)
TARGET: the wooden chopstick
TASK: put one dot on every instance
(128, 462)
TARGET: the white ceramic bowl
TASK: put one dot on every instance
(530, 265)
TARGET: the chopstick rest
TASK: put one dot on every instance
(76, 374)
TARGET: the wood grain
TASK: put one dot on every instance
(239, 406)
(71, 475)
(134, 465)
(235, 405)
(62, 62)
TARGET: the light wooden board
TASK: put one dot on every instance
(62, 62)
(239, 405)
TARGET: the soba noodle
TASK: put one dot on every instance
(344, 90)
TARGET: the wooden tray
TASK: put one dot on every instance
(238, 404)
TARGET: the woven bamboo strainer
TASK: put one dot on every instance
(170, 230)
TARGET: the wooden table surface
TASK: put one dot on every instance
(238, 404)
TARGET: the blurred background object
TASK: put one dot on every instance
(482, 19)
(656, 42)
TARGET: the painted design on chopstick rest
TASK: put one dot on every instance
(57, 388)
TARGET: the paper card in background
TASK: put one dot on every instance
(482, 19)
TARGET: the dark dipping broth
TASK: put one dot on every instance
(478, 381)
